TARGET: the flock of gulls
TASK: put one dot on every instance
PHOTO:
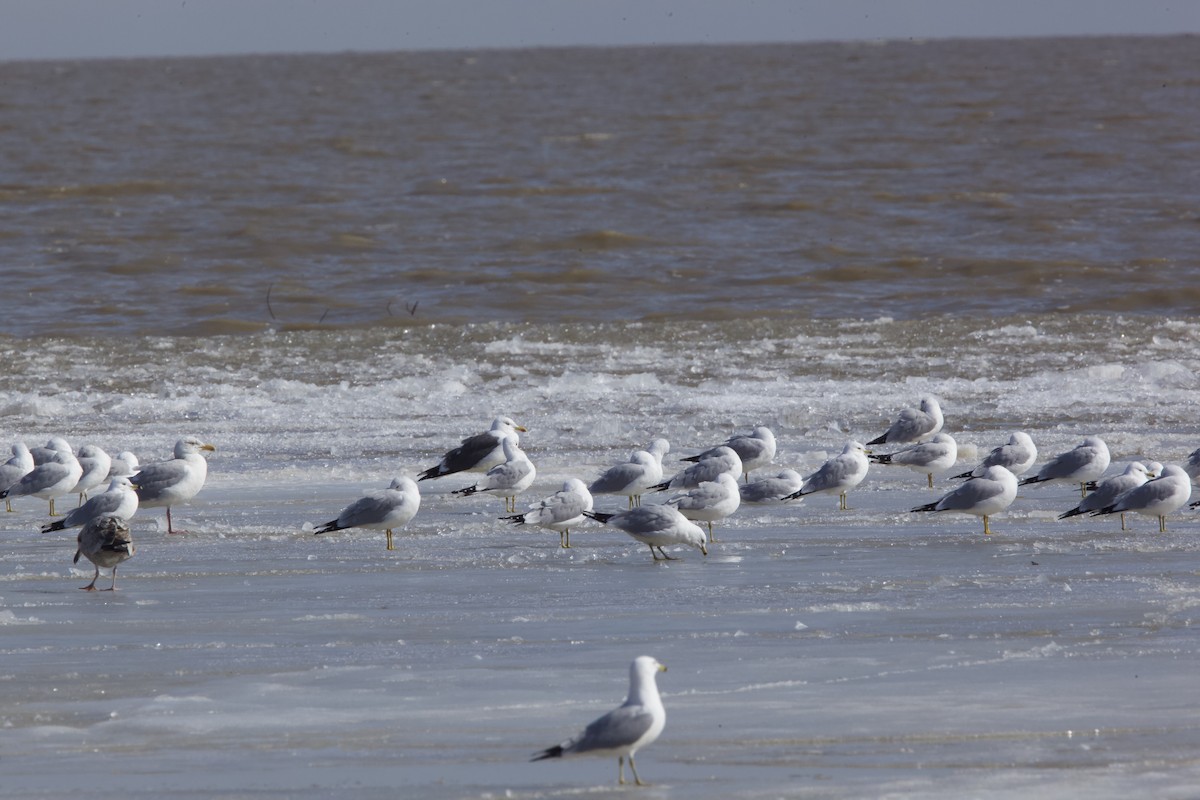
(713, 485)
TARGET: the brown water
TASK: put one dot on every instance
(230, 195)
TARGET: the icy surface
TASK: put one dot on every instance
(813, 653)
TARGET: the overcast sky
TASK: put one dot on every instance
(103, 28)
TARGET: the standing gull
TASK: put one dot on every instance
(56, 444)
(839, 474)
(936, 455)
(1157, 498)
(119, 500)
(124, 465)
(709, 502)
(178, 480)
(913, 424)
(984, 496)
(1086, 462)
(1107, 491)
(477, 453)
(54, 478)
(772, 489)
(1192, 465)
(755, 449)
(640, 473)
(17, 467)
(509, 479)
(724, 459)
(106, 542)
(656, 527)
(95, 464)
(1017, 456)
(560, 511)
(626, 729)
(385, 510)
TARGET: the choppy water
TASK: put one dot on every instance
(994, 177)
(633, 273)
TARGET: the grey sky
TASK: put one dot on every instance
(102, 28)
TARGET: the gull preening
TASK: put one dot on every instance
(985, 496)
(772, 489)
(384, 510)
(913, 424)
(106, 542)
(1016, 455)
(177, 480)
(1168, 492)
(118, 500)
(711, 501)
(656, 527)
(1106, 492)
(634, 477)
(626, 729)
(477, 453)
(755, 449)
(508, 479)
(560, 511)
(1087, 461)
(930, 457)
(839, 474)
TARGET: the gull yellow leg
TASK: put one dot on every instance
(633, 769)
(987, 529)
(389, 537)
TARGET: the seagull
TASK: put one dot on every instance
(560, 511)
(124, 465)
(1107, 491)
(839, 474)
(387, 509)
(913, 424)
(1169, 491)
(1017, 456)
(936, 455)
(623, 731)
(106, 542)
(642, 471)
(96, 464)
(756, 449)
(119, 500)
(1191, 466)
(509, 479)
(984, 496)
(17, 467)
(53, 478)
(178, 480)
(656, 527)
(45, 453)
(709, 502)
(1086, 462)
(477, 453)
(773, 489)
(724, 459)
